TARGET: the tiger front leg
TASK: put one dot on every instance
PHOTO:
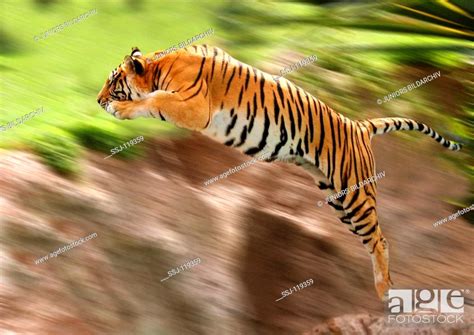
(190, 113)
(126, 110)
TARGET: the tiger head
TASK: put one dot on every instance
(128, 81)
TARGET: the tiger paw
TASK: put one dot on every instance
(119, 109)
(382, 288)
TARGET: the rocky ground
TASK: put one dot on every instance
(257, 232)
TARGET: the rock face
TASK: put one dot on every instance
(366, 324)
(257, 233)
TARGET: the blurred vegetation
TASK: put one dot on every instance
(105, 136)
(58, 149)
(365, 51)
(64, 72)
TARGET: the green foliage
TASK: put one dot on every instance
(100, 137)
(65, 71)
(58, 150)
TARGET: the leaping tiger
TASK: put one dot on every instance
(203, 88)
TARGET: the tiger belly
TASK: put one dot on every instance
(257, 138)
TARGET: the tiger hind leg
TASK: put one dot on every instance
(324, 185)
(378, 248)
(366, 226)
(361, 221)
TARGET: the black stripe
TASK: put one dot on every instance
(171, 66)
(306, 145)
(213, 63)
(335, 206)
(329, 170)
(254, 113)
(299, 116)
(230, 81)
(252, 119)
(207, 86)
(283, 137)
(231, 125)
(229, 142)
(338, 127)
(247, 77)
(359, 148)
(354, 211)
(276, 107)
(299, 151)
(243, 137)
(300, 101)
(281, 95)
(154, 78)
(375, 244)
(255, 74)
(344, 171)
(334, 149)
(208, 121)
(129, 96)
(310, 120)
(316, 157)
(198, 76)
(321, 130)
(262, 91)
(323, 186)
(263, 141)
(360, 227)
(369, 232)
(240, 96)
(367, 241)
(197, 92)
(355, 196)
(374, 128)
(255, 104)
(223, 61)
(240, 69)
(291, 93)
(167, 85)
(410, 125)
(366, 214)
(292, 121)
(161, 116)
(225, 69)
(352, 164)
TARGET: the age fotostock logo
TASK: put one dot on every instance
(424, 306)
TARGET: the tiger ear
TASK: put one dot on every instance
(134, 65)
(136, 52)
